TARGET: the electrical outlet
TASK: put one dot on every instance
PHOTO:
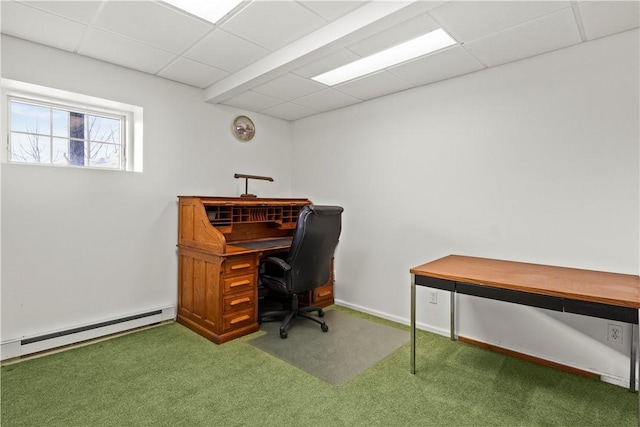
(614, 333)
(433, 297)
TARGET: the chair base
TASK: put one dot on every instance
(294, 311)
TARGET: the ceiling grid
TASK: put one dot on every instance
(262, 56)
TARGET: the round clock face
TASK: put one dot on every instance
(243, 128)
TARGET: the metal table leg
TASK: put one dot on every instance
(632, 358)
(413, 324)
(452, 326)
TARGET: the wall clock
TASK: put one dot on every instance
(243, 128)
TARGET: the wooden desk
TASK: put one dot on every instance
(591, 293)
(220, 243)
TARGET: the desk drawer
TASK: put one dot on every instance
(508, 295)
(239, 283)
(239, 319)
(243, 265)
(603, 311)
(233, 303)
(323, 293)
(434, 282)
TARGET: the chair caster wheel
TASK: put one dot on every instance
(320, 313)
(324, 328)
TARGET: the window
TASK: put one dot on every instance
(52, 127)
(51, 134)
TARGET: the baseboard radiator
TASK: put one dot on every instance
(34, 344)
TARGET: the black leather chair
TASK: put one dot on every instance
(307, 265)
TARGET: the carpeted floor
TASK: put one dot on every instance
(351, 345)
(170, 376)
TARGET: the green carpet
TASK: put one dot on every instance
(351, 345)
(169, 376)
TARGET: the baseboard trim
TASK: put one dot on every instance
(397, 319)
(528, 358)
(621, 382)
(88, 327)
(42, 342)
(367, 310)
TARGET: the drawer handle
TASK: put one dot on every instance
(239, 283)
(240, 319)
(240, 301)
(324, 294)
(240, 266)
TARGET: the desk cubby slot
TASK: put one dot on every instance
(219, 216)
(289, 217)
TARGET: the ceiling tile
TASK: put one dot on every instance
(331, 10)
(326, 100)
(154, 37)
(252, 101)
(226, 51)
(41, 27)
(602, 19)
(273, 24)
(289, 87)
(81, 11)
(439, 66)
(468, 20)
(374, 85)
(541, 35)
(192, 73)
(397, 34)
(326, 63)
(125, 52)
(289, 111)
(151, 23)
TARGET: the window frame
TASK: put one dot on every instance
(131, 115)
(68, 108)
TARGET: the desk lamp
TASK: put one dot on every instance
(246, 182)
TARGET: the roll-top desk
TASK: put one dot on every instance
(220, 243)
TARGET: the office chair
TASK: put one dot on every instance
(306, 267)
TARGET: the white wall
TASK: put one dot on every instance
(534, 161)
(80, 246)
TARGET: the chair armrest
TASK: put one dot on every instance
(279, 262)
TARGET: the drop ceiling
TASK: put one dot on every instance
(262, 57)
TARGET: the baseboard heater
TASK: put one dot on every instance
(34, 344)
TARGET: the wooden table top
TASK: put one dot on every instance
(584, 285)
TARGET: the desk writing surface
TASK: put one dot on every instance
(284, 243)
(584, 285)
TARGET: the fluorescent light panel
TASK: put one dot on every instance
(210, 10)
(420, 46)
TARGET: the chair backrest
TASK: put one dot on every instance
(314, 242)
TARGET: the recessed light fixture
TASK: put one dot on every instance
(420, 46)
(209, 10)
